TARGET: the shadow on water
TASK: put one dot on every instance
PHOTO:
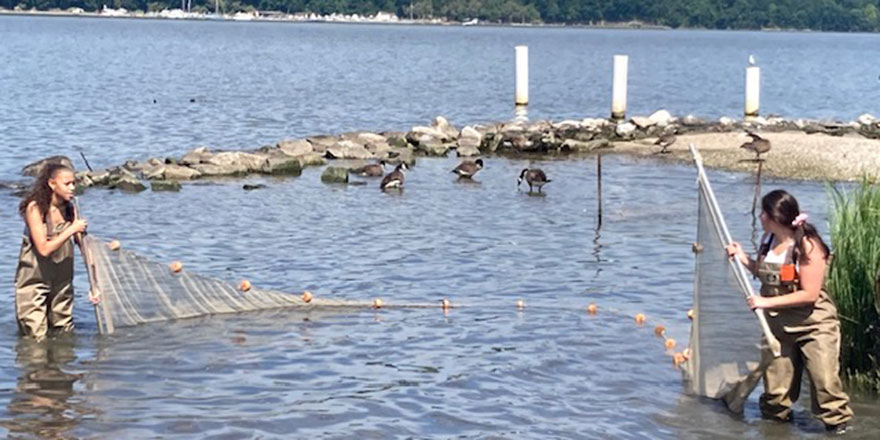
(41, 402)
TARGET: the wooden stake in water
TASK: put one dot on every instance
(618, 90)
(599, 189)
(753, 91)
(522, 75)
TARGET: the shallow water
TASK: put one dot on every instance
(484, 370)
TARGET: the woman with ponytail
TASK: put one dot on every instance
(44, 277)
(791, 264)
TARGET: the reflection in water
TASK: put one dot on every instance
(596, 233)
(39, 404)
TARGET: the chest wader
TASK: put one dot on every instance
(44, 287)
(810, 338)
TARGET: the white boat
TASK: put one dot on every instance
(471, 22)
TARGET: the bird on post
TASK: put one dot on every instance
(466, 169)
(534, 177)
(395, 178)
(758, 144)
(371, 170)
(665, 141)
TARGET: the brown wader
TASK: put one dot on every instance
(810, 338)
(44, 286)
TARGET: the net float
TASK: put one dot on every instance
(659, 330)
(115, 245)
(377, 303)
(520, 304)
(640, 318)
(446, 304)
(678, 359)
(670, 344)
(691, 314)
(307, 296)
(592, 309)
(244, 285)
(176, 266)
(686, 353)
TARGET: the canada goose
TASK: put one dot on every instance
(534, 177)
(758, 144)
(395, 178)
(665, 141)
(468, 168)
(371, 170)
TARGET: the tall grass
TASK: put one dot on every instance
(852, 281)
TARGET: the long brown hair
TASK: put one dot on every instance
(783, 208)
(41, 192)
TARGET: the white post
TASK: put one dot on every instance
(522, 75)
(753, 90)
(618, 91)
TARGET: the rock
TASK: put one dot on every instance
(583, 147)
(250, 161)
(208, 169)
(692, 121)
(396, 140)
(165, 185)
(433, 148)
(378, 148)
(626, 129)
(401, 155)
(594, 123)
(365, 138)
(865, 119)
(154, 173)
(252, 186)
(725, 121)
(295, 148)
(335, 175)
(99, 178)
(642, 122)
(661, 118)
(33, 169)
(567, 124)
(312, 160)
(82, 182)
(440, 123)
(199, 155)
(322, 142)
(467, 150)
(177, 172)
(420, 134)
(348, 150)
(282, 165)
(128, 183)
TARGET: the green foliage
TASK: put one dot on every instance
(852, 281)
(825, 15)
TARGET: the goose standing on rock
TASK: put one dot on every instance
(665, 141)
(395, 178)
(371, 170)
(466, 169)
(758, 144)
(534, 177)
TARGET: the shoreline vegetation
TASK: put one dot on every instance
(826, 15)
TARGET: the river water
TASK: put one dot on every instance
(484, 370)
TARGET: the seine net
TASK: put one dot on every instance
(134, 290)
(726, 337)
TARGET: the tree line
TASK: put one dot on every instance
(824, 15)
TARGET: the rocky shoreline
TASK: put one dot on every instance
(802, 149)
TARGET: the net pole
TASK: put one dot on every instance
(103, 324)
(737, 266)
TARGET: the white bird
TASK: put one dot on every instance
(751, 60)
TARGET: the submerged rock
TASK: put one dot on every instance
(282, 165)
(335, 175)
(165, 185)
(252, 186)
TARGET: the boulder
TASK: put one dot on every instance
(177, 172)
(199, 155)
(128, 183)
(33, 169)
(433, 148)
(249, 161)
(625, 130)
(583, 147)
(725, 121)
(370, 138)
(467, 151)
(208, 169)
(282, 164)
(312, 160)
(642, 122)
(295, 148)
(165, 185)
(441, 124)
(420, 134)
(348, 150)
(401, 155)
(396, 140)
(865, 119)
(661, 118)
(322, 142)
(99, 178)
(335, 175)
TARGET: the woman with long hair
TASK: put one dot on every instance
(44, 277)
(791, 265)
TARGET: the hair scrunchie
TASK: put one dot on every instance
(799, 220)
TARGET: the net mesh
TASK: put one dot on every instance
(134, 290)
(725, 335)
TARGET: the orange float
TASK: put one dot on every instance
(176, 266)
(244, 285)
(640, 318)
(377, 303)
(520, 304)
(669, 343)
(115, 245)
(307, 296)
(592, 309)
(659, 330)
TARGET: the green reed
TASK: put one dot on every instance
(852, 281)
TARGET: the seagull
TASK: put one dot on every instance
(371, 170)
(395, 178)
(534, 177)
(751, 60)
(665, 141)
(467, 168)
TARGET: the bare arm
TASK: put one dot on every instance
(736, 250)
(40, 237)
